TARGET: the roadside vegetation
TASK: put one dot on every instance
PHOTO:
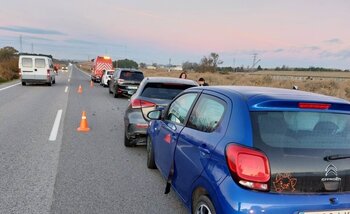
(8, 64)
(333, 82)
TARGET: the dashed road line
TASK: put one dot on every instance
(66, 90)
(55, 126)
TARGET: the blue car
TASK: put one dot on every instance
(229, 149)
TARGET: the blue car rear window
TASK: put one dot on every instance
(303, 129)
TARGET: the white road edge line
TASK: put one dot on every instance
(56, 125)
(66, 90)
(84, 72)
(1, 89)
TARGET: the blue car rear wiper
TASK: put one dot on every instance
(336, 157)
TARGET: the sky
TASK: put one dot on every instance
(298, 33)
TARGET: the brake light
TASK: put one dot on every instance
(120, 81)
(249, 167)
(137, 103)
(314, 105)
(19, 72)
(48, 72)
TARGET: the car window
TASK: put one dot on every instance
(40, 63)
(166, 91)
(314, 130)
(207, 113)
(131, 75)
(179, 109)
(27, 62)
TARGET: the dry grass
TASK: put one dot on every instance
(330, 87)
(86, 66)
(9, 70)
(329, 83)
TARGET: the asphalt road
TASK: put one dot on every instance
(43, 171)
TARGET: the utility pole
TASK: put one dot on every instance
(255, 60)
(20, 43)
(169, 64)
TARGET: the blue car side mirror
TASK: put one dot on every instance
(155, 114)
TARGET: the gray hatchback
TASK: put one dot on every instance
(153, 92)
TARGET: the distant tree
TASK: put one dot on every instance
(190, 66)
(259, 68)
(7, 53)
(143, 65)
(209, 63)
(155, 65)
(126, 63)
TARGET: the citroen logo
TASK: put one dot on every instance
(331, 170)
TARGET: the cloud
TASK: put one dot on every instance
(343, 54)
(80, 42)
(334, 41)
(312, 48)
(30, 30)
(278, 50)
(36, 38)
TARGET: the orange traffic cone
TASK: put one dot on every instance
(91, 84)
(84, 127)
(80, 89)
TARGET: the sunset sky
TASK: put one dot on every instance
(299, 33)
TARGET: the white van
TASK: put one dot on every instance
(36, 68)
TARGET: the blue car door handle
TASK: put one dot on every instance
(204, 150)
(172, 126)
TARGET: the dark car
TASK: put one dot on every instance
(254, 150)
(153, 92)
(125, 82)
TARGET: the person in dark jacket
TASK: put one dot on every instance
(202, 82)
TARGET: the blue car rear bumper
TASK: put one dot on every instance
(234, 199)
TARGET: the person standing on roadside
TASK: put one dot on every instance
(183, 75)
(202, 82)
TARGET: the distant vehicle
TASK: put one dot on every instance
(153, 92)
(125, 82)
(36, 68)
(254, 150)
(64, 68)
(100, 63)
(106, 77)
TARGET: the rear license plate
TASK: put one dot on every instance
(132, 87)
(328, 212)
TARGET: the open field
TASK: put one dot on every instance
(328, 83)
(306, 81)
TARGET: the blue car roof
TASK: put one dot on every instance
(256, 97)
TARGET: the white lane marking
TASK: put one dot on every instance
(68, 80)
(55, 126)
(1, 89)
(66, 90)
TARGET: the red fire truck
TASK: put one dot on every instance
(101, 63)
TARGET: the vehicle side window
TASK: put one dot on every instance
(40, 63)
(179, 109)
(207, 113)
(27, 62)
